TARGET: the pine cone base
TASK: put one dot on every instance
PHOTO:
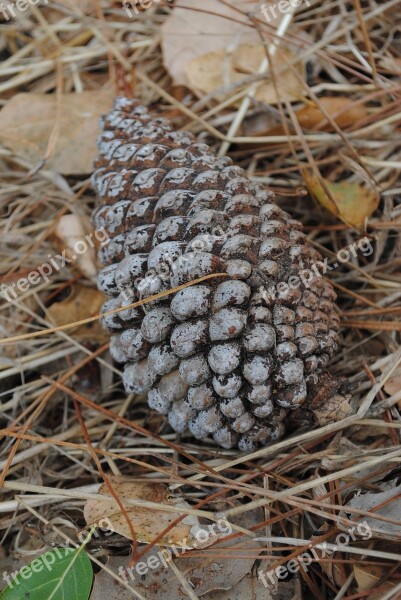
(229, 357)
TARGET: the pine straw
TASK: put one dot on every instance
(64, 413)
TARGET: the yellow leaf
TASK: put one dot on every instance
(350, 202)
(82, 303)
(147, 522)
(340, 108)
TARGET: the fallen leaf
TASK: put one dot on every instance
(83, 302)
(247, 59)
(70, 576)
(159, 577)
(367, 576)
(208, 573)
(335, 408)
(29, 120)
(74, 235)
(219, 69)
(154, 578)
(391, 508)
(162, 579)
(351, 202)
(199, 26)
(147, 522)
(342, 110)
(250, 587)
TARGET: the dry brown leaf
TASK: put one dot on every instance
(208, 574)
(194, 28)
(157, 579)
(367, 576)
(147, 522)
(71, 231)
(215, 70)
(335, 408)
(82, 303)
(353, 203)
(309, 117)
(208, 577)
(29, 120)
(340, 108)
(247, 59)
(250, 587)
(161, 582)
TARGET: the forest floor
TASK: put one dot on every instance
(307, 99)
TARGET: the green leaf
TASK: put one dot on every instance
(60, 574)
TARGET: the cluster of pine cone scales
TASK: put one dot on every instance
(229, 357)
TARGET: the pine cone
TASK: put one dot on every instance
(228, 357)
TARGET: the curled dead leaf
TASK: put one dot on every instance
(83, 302)
(147, 522)
(350, 202)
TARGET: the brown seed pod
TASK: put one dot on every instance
(229, 358)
